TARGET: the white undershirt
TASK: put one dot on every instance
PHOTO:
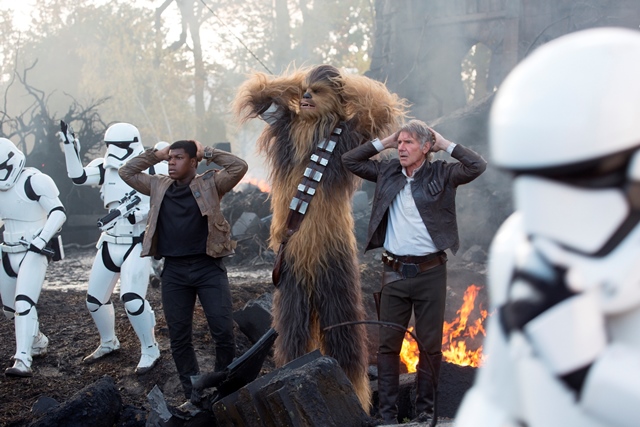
(406, 233)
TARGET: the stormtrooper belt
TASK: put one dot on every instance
(12, 249)
(119, 240)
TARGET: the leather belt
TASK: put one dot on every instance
(402, 264)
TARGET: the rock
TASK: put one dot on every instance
(159, 413)
(186, 415)
(132, 417)
(311, 391)
(247, 224)
(475, 254)
(44, 404)
(455, 380)
(98, 404)
(254, 320)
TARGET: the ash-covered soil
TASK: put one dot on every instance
(72, 334)
(65, 319)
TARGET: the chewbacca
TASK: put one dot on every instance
(317, 275)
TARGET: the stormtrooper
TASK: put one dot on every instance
(32, 215)
(563, 347)
(120, 242)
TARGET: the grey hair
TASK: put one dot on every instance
(420, 130)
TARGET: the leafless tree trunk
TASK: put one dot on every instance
(282, 49)
(191, 13)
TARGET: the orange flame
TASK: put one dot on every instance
(260, 183)
(454, 336)
(410, 354)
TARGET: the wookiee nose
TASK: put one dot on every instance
(306, 95)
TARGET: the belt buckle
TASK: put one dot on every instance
(410, 270)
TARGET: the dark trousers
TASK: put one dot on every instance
(184, 278)
(425, 294)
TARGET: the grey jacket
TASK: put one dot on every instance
(433, 189)
(207, 188)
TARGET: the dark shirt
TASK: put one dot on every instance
(182, 229)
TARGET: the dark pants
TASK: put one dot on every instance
(425, 294)
(184, 278)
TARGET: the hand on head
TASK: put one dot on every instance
(441, 142)
(163, 153)
(200, 150)
(391, 141)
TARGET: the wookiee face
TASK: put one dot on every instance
(322, 94)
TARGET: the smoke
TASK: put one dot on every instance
(447, 58)
(246, 148)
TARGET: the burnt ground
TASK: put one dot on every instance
(72, 334)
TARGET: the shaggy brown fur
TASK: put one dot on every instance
(320, 283)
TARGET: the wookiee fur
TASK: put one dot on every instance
(320, 282)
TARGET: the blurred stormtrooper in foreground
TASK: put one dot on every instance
(32, 215)
(120, 243)
(563, 346)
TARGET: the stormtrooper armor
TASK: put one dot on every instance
(32, 214)
(563, 345)
(119, 245)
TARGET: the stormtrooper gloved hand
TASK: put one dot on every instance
(37, 245)
(66, 135)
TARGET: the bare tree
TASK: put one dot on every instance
(34, 129)
(192, 17)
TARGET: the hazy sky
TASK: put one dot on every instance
(21, 11)
(210, 33)
(22, 8)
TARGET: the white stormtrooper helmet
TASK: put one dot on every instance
(11, 164)
(161, 144)
(566, 121)
(123, 142)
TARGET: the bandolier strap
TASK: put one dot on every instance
(307, 188)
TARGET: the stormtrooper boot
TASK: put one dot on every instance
(104, 318)
(20, 368)
(39, 347)
(104, 349)
(26, 326)
(143, 324)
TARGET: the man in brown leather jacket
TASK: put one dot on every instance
(187, 228)
(414, 217)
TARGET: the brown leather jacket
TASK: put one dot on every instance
(433, 189)
(207, 188)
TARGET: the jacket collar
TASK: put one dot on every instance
(418, 172)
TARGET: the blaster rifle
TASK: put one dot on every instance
(45, 251)
(127, 204)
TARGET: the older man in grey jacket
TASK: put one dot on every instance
(414, 218)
